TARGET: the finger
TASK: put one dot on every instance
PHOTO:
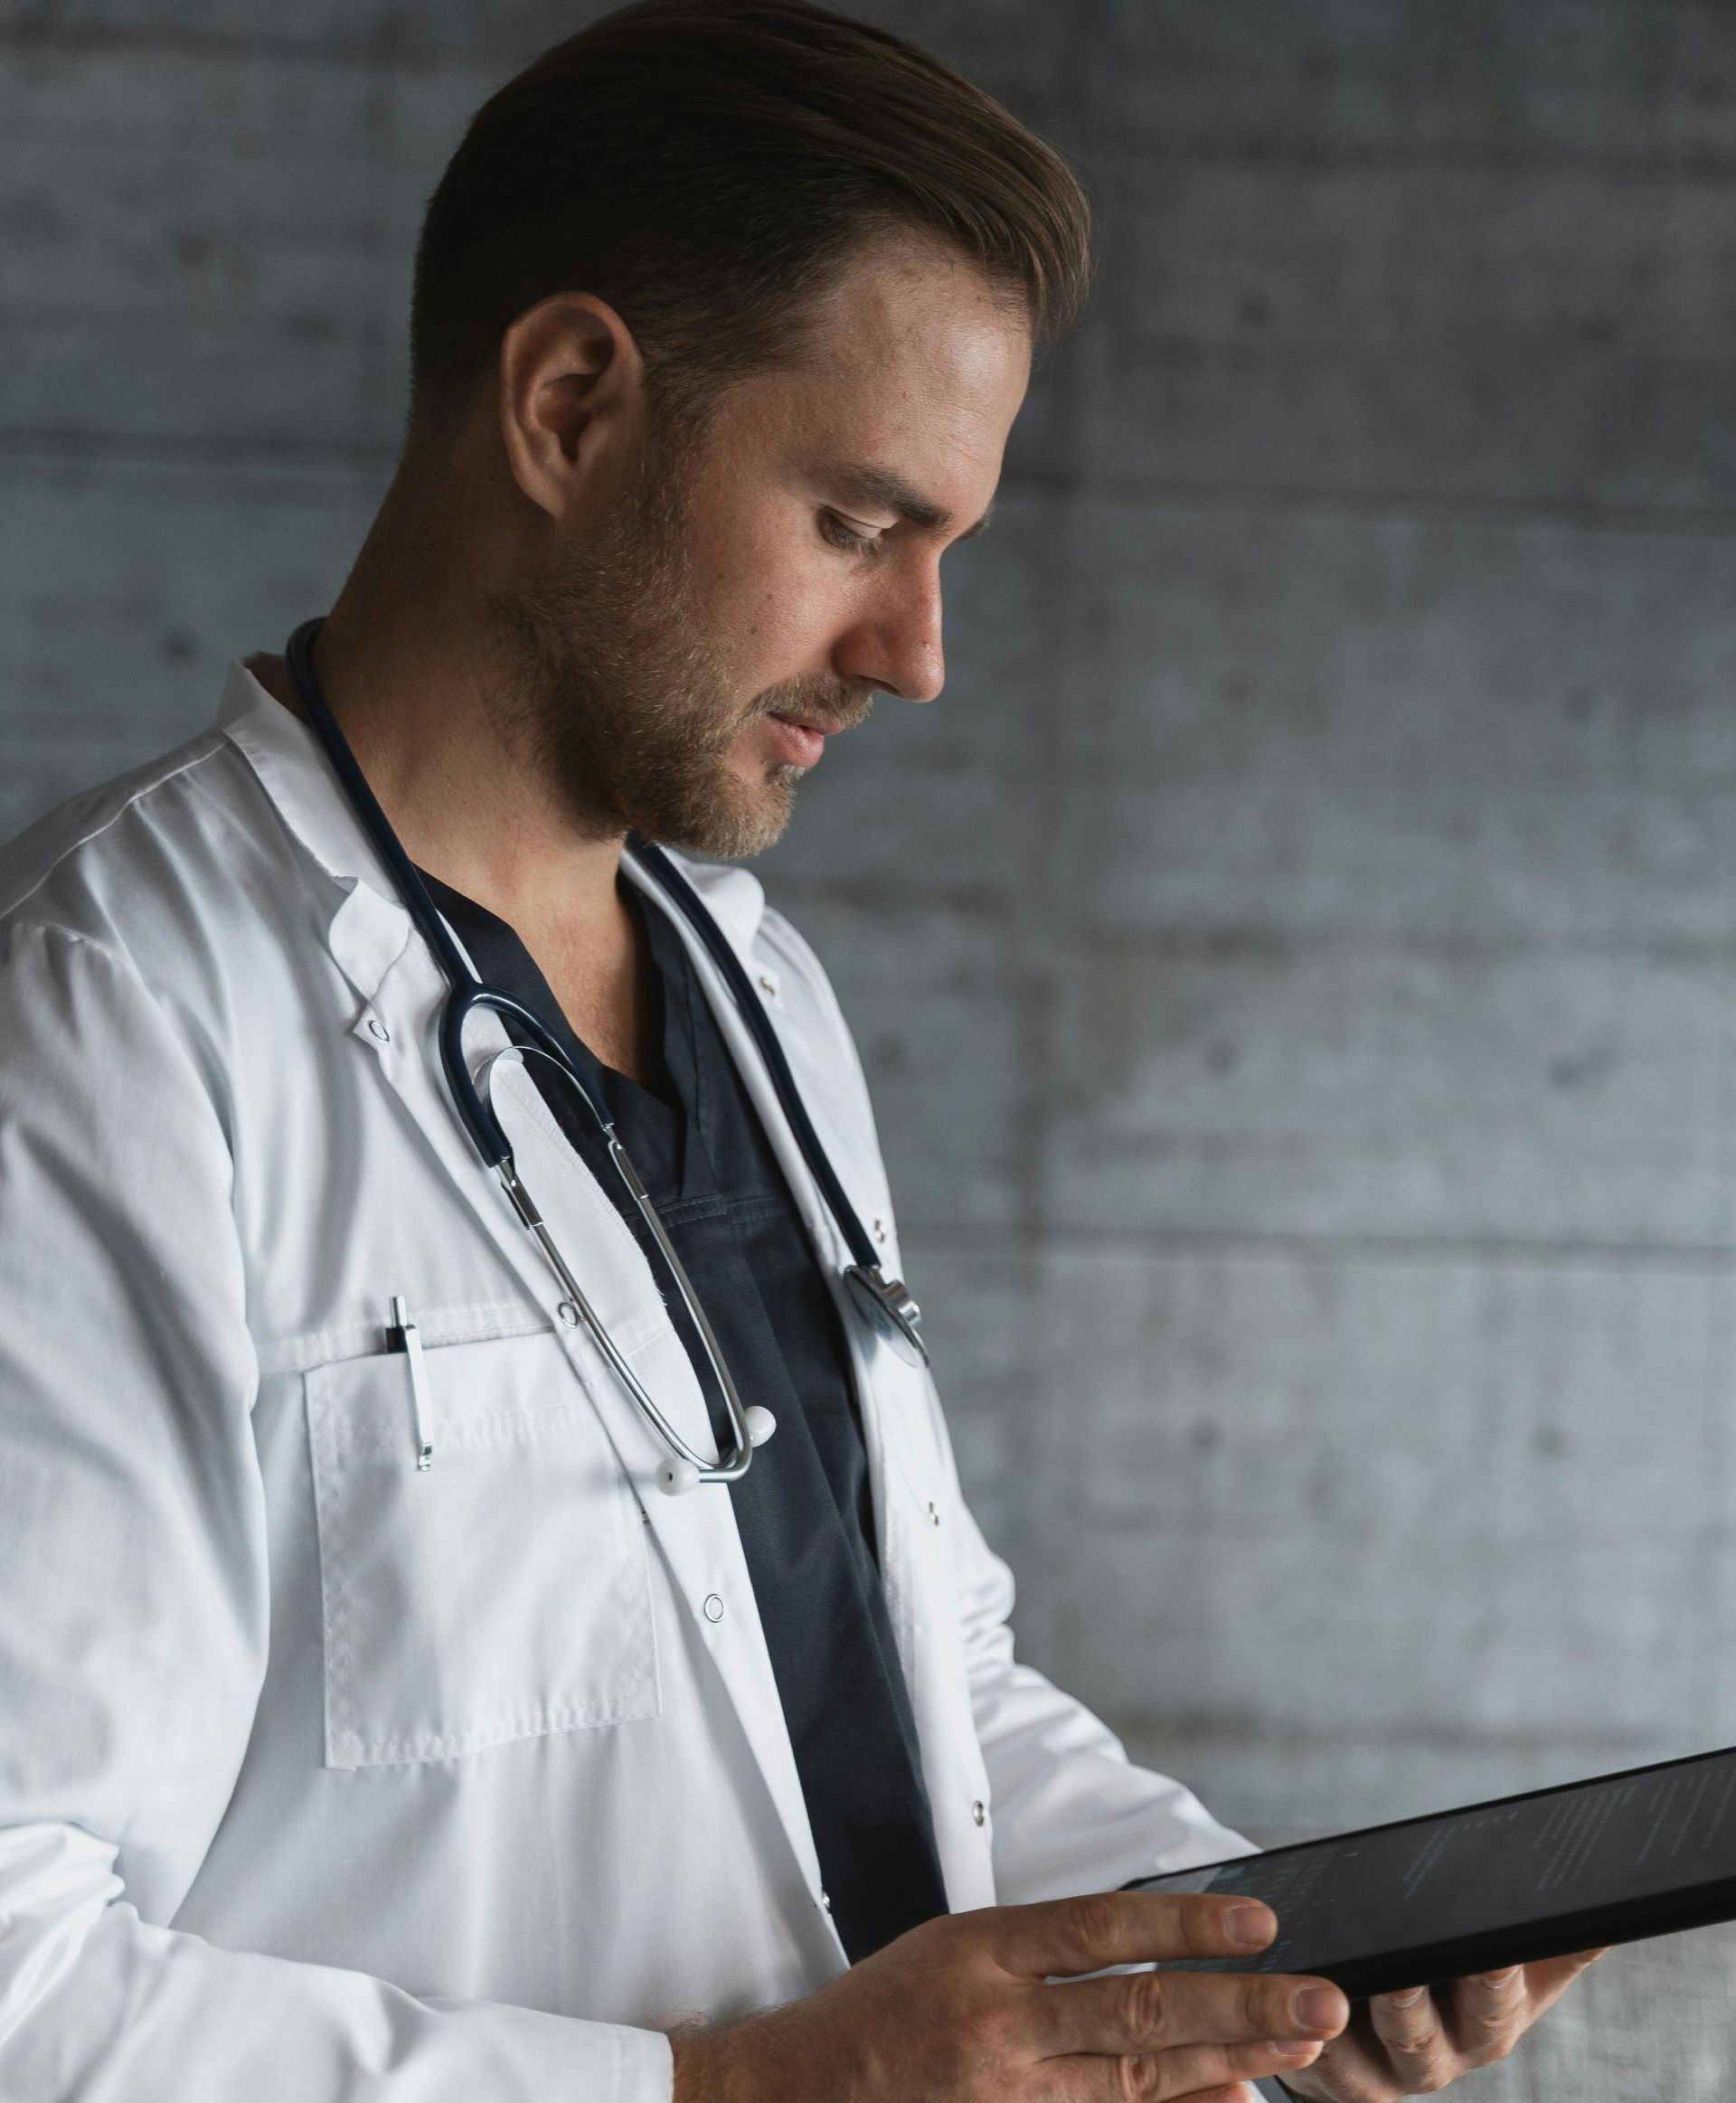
(1485, 2017)
(1354, 2067)
(1408, 2028)
(1147, 2012)
(1189, 2076)
(1062, 1936)
(1201, 2069)
(1546, 1983)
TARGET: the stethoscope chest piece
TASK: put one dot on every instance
(889, 1307)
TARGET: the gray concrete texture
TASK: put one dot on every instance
(1294, 961)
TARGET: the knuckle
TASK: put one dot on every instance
(1263, 2007)
(953, 1937)
(1149, 2007)
(1094, 1917)
(1197, 1926)
(1139, 2079)
(1411, 2030)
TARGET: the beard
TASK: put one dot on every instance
(607, 681)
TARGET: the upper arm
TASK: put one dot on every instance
(132, 1568)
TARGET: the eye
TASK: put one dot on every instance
(842, 534)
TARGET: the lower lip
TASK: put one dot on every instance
(800, 747)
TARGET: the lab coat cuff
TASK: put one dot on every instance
(644, 2070)
(538, 2056)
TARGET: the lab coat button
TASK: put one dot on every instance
(826, 1901)
(378, 1029)
(569, 1314)
(880, 1232)
(767, 984)
(934, 1520)
(979, 1812)
(713, 1607)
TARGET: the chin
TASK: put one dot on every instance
(743, 819)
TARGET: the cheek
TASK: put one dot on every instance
(770, 605)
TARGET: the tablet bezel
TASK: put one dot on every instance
(1439, 1962)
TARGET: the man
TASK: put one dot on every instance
(372, 1726)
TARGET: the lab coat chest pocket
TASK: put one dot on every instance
(504, 1593)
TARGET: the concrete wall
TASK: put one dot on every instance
(1295, 959)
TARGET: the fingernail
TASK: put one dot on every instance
(1503, 1979)
(1409, 1998)
(1290, 2053)
(1254, 1925)
(1319, 2008)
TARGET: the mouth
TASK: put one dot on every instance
(800, 738)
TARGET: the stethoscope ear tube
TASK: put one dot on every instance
(684, 1469)
(887, 1304)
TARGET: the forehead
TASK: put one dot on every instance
(911, 357)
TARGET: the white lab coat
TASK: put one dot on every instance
(320, 1778)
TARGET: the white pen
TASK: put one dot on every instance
(402, 1335)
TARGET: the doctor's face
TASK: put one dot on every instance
(686, 665)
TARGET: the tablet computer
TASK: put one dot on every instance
(1647, 1851)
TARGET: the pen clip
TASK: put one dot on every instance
(402, 1334)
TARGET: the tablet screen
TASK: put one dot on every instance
(1511, 1882)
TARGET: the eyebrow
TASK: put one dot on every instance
(880, 487)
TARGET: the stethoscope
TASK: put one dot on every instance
(885, 1304)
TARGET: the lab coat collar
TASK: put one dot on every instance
(294, 773)
(370, 929)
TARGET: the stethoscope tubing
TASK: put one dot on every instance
(885, 1305)
(752, 1010)
(466, 995)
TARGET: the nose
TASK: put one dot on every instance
(895, 646)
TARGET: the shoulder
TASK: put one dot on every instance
(108, 864)
(159, 910)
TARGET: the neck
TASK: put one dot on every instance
(404, 664)
(404, 661)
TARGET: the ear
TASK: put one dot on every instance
(571, 384)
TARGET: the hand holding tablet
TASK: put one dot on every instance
(1490, 1904)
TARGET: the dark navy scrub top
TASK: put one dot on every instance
(804, 1509)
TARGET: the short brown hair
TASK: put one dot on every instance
(707, 166)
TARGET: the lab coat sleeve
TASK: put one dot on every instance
(1072, 1813)
(133, 1608)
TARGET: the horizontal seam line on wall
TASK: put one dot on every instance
(924, 1239)
(1249, 147)
(53, 447)
(50, 40)
(1273, 946)
(1392, 506)
(62, 447)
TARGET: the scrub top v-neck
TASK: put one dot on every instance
(803, 1510)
